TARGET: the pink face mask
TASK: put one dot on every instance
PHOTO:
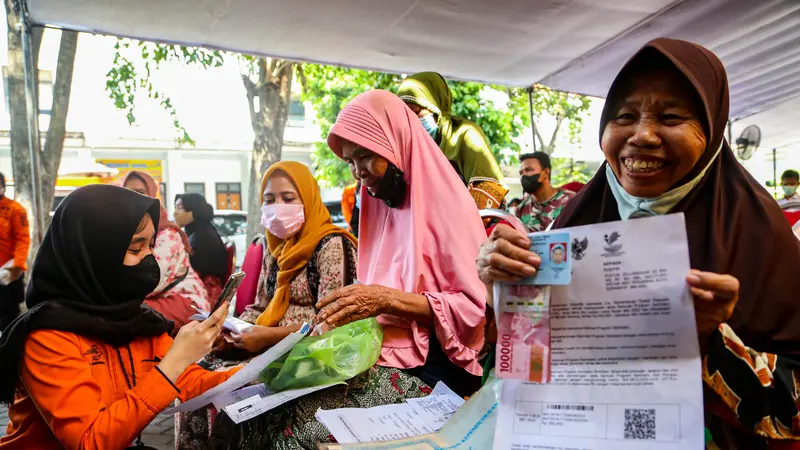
(282, 220)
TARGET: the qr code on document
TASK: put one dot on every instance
(640, 424)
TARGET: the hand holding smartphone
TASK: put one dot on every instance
(229, 290)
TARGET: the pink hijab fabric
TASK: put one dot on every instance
(428, 245)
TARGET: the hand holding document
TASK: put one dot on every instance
(244, 376)
(625, 360)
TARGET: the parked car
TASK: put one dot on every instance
(232, 227)
(335, 208)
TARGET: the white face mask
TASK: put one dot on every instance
(283, 220)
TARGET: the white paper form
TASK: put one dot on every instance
(385, 423)
(244, 376)
(626, 370)
(253, 401)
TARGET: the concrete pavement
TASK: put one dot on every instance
(159, 434)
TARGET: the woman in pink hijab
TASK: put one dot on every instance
(420, 232)
(180, 286)
(415, 265)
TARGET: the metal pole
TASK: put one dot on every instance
(533, 122)
(32, 107)
(774, 172)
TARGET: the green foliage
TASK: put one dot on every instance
(329, 89)
(133, 64)
(564, 107)
(567, 169)
(502, 121)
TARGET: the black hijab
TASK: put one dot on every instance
(74, 275)
(209, 255)
(734, 226)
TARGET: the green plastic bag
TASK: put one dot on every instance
(335, 356)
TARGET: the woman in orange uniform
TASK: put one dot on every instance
(89, 366)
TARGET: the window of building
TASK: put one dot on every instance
(195, 188)
(229, 196)
(45, 91)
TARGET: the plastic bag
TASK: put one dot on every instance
(335, 356)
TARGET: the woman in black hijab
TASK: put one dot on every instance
(210, 259)
(662, 132)
(86, 330)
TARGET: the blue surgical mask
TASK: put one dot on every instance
(789, 190)
(429, 123)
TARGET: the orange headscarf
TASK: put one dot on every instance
(293, 254)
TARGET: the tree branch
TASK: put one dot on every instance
(559, 120)
(301, 75)
(250, 89)
(539, 138)
(281, 66)
(56, 132)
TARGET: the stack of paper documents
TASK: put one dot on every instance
(417, 416)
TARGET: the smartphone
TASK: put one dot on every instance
(230, 288)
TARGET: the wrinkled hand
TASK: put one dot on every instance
(352, 303)
(715, 297)
(255, 339)
(506, 256)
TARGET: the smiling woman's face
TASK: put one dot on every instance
(654, 136)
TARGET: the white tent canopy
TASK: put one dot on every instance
(571, 45)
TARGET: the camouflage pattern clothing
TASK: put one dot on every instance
(538, 216)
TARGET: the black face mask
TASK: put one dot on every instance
(392, 188)
(136, 282)
(531, 183)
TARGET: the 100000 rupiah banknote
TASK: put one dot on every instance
(523, 333)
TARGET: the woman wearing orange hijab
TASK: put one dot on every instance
(307, 258)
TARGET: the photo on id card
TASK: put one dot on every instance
(555, 250)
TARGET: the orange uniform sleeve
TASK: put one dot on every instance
(20, 234)
(60, 382)
(194, 380)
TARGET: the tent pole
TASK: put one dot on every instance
(533, 122)
(774, 172)
(32, 109)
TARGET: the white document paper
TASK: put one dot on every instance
(244, 376)
(470, 428)
(253, 401)
(385, 423)
(626, 371)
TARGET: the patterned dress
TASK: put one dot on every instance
(752, 398)
(537, 216)
(331, 266)
(180, 287)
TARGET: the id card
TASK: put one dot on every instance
(555, 249)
